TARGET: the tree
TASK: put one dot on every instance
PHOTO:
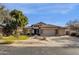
(4, 13)
(12, 20)
(73, 24)
(20, 19)
(5, 20)
(9, 27)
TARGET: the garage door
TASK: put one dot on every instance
(48, 32)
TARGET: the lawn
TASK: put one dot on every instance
(12, 39)
(21, 37)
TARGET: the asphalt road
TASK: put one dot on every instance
(7, 50)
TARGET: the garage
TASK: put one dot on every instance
(48, 32)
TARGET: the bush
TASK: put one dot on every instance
(23, 37)
(77, 35)
(73, 34)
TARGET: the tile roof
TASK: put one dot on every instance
(46, 25)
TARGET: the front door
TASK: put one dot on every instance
(56, 32)
(36, 31)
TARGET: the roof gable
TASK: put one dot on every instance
(45, 25)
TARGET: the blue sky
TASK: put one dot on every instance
(50, 13)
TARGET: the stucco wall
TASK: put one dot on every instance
(61, 32)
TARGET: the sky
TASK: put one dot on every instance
(50, 13)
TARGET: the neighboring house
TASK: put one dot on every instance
(44, 29)
(72, 29)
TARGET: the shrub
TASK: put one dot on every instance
(23, 37)
(77, 35)
(73, 34)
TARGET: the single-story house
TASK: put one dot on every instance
(72, 29)
(44, 29)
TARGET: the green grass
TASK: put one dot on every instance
(7, 41)
(21, 37)
(11, 39)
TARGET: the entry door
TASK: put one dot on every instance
(36, 31)
(56, 32)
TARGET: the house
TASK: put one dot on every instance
(73, 29)
(44, 29)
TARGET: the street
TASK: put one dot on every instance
(7, 50)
